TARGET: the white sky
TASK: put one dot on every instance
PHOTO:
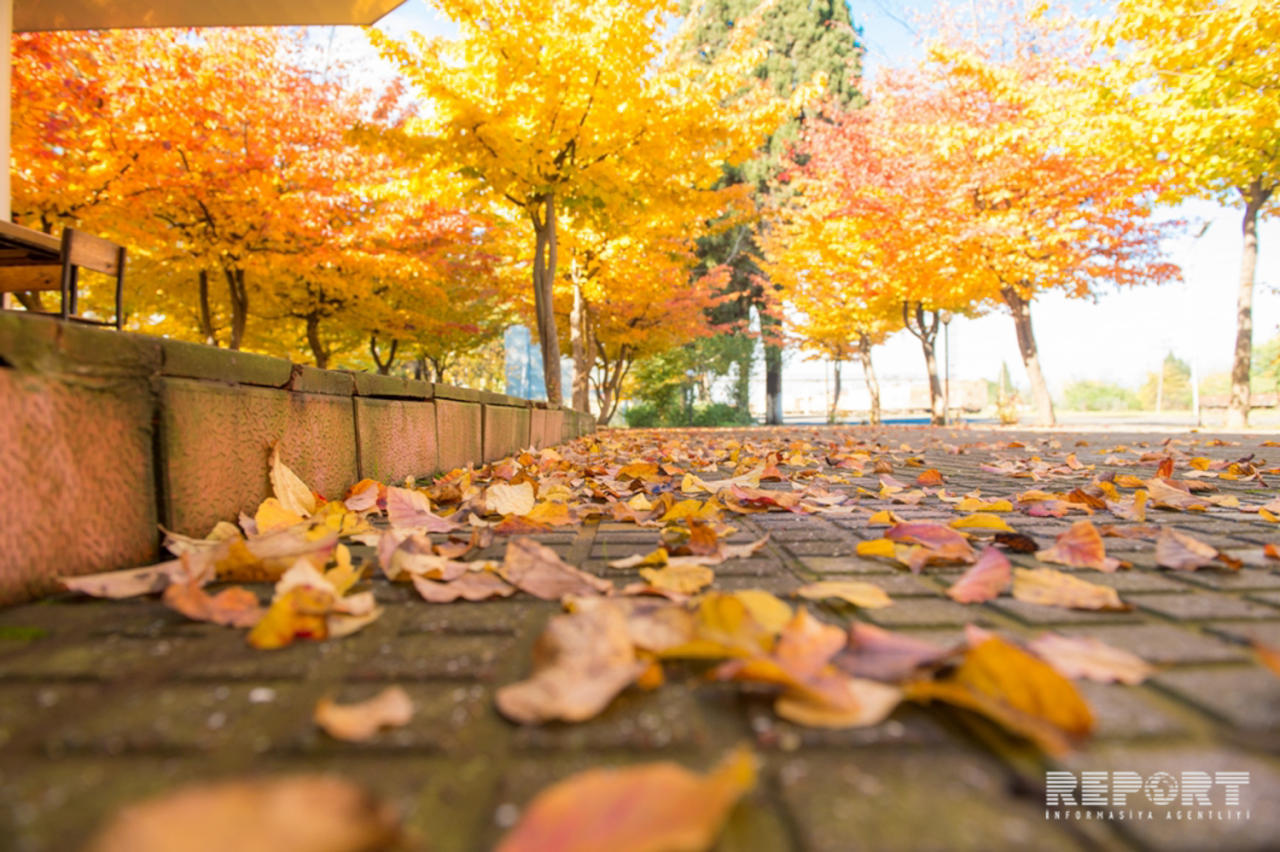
(1120, 338)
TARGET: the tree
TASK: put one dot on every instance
(1200, 80)
(821, 267)
(807, 40)
(552, 105)
(1169, 389)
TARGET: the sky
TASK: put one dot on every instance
(1120, 338)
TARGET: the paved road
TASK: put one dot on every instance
(104, 702)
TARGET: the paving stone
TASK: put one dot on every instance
(1244, 632)
(1123, 712)
(911, 800)
(1271, 598)
(1204, 606)
(1162, 643)
(1041, 615)
(925, 612)
(670, 717)
(846, 565)
(1244, 696)
(1229, 581)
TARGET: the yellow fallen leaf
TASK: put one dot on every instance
(883, 518)
(881, 547)
(865, 595)
(290, 490)
(981, 521)
(1048, 587)
(272, 515)
(505, 499)
(685, 579)
(653, 806)
(391, 708)
(976, 504)
(766, 608)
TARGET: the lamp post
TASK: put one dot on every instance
(946, 317)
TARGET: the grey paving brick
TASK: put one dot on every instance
(1041, 615)
(1204, 606)
(1243, 696)
(1162, 643)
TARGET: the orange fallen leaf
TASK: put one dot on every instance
(1080, 547)
(1017, 691)
(932, 476)
(303, 812)
(1270, 551)
(644, 808)
(391, 708)
(580, 662)
(884, 518)
(233, 607)
(1269, 655)
(538, 570)
(1048, 587)
(985, 580)
(1085, 657)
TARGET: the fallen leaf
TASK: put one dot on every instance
(644, 808)
(1017, 691)
(985, 580)
(685, 579)
(302, 812)
(981, 521)
(865, 595)
(1085, 657)
(233, 607)
(1017, 542)
(129, 583)
(1048, 587)
(884, 518)
(1269, 655)
(875, 653)
(391, 708)
(536, 569)
(471, 586)
(1080, 547)
(507, 499)
(580, 662)
(930, 477)
(1183, 552)
(409, 508)
(288, 487)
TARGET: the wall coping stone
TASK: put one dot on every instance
(393, 387)
(46, 344)
(183, 359)
(308, 379)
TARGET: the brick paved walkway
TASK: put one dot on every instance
(103, 702)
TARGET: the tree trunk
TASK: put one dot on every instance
(1020, 308)
(833, 414)
(384, 367)
(772, 371)
(239, 296)
(869, 372)
(544, 276)
(578, 342)
(318, 350)
(206, 313)
(925, 330)
(1238, 409)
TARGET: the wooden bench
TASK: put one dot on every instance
(24, 247)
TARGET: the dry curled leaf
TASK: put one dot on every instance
(1183, 552)
(865, 595)
(1086, 657)
(537, 569)
(505, 499)
(308, 813)
(985, 580)
(391, 708)
(289, 489)
(233, 607)
(471, 586)
(581, 661)
(1048, 587)
(644, 808)
(1015, 690)
(875, 653)
(1080, 547)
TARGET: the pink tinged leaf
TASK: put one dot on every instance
(989, 576)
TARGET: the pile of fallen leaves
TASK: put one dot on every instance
(689, 491)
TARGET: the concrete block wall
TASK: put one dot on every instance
(104, 435)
